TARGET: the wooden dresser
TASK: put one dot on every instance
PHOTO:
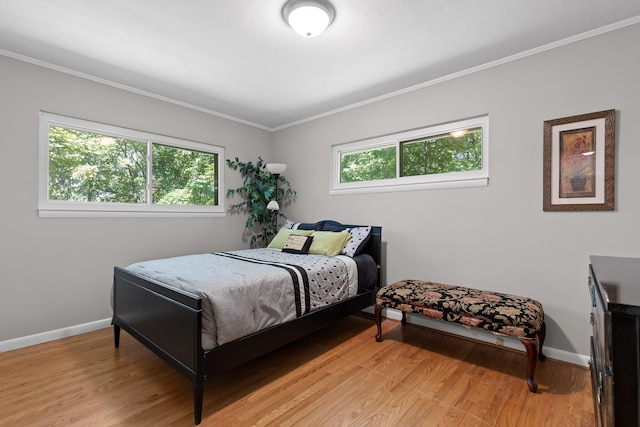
(614, 284)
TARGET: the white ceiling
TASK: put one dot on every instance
(238, 58)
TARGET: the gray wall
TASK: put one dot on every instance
(494, 237)
(56, 272)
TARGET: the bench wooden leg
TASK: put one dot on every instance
(378, 319)
(532, 346)
(542, 333)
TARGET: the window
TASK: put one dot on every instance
(91, 168)
(444, 156)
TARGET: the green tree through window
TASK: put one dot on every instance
(447, 155)
(184, 177)
(444, 153)
(368, 165)
(87, 166)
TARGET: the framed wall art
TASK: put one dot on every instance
(579, 162)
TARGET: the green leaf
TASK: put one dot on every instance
(258, 189)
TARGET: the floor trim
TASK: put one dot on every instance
(476, 334)
(29, 340)
(488, 337)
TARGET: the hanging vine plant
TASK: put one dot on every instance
(259, 187)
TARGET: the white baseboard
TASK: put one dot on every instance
(16, 343)
(485, 336)
(455, 329)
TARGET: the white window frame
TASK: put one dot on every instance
(62, 208)
(477, 178)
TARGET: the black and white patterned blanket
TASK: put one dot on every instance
(246, 291)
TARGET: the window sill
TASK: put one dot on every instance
(62, 213)
(393, 187)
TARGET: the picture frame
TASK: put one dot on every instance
(579, 162)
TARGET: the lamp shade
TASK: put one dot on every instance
(273, 206)
(308, 18)
(276, 168)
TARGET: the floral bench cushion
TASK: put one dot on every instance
(499, 313)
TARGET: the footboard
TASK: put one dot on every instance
(166, 320)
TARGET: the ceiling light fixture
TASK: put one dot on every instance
(309, 18)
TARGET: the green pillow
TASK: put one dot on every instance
(328, 243)
(280, 239)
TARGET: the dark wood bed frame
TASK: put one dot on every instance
(168, 321)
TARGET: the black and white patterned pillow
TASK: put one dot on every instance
(359, 239)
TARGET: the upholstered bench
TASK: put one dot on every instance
(501, 314)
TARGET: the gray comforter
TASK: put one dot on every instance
(246, 291)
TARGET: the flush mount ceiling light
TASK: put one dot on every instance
(308, 18)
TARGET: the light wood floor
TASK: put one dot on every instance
(337, 377)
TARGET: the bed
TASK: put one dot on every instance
(169, 319)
